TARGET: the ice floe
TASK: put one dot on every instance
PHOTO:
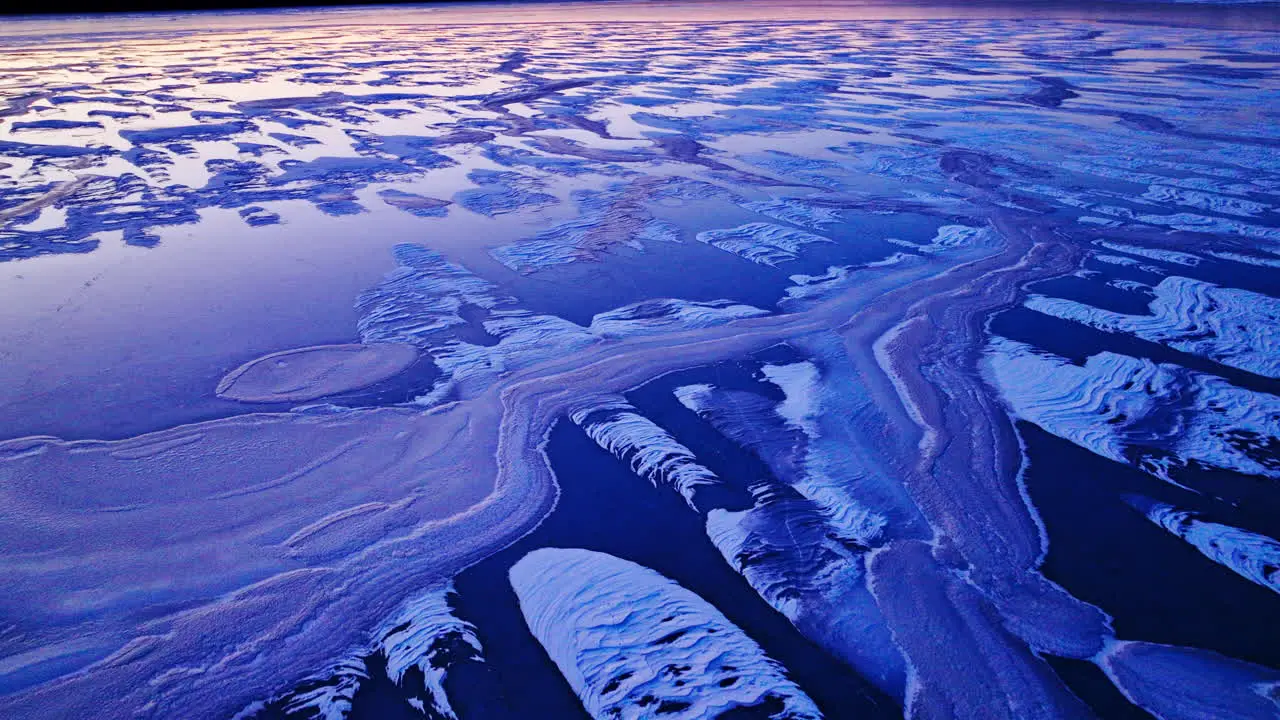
(309, 373)
(634, 644)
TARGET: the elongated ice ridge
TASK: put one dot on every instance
(426, 636)
(785, 549)
(651, 452)
(1235, 327)
(1250, 555)
(1170, 256)
(329, 698)
(633, 644)
(779, 434)
(948, 237)
(801, 544)
(763, 243)
(423, 635)
(654, 315)
(1159, 417)
(428, 301)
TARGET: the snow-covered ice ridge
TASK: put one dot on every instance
(424, 635)
(1235, 327)
(633, 644)
(1160, 417)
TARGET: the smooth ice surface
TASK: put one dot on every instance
(309, 373)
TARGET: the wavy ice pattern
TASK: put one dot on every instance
(421, 297)
(763, 243)
(423, 636)
(474, 333)
(795, 211)
(780, 434)
(427, 637)
(618, 216)
(650, 451)
(1232, 326)
(785, 548)
(1160, 417)
(633, 644)
(1250, 555)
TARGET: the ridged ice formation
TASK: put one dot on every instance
(1235, 327)
(796, 211)
(948, 237)
(192, 571)
(762, 243)
(650, 451)
(423, 301)
(423, 635)
(1253, 556)
(634, 644)
(502, 192)
(653, 315)
(422, 296)
(780, 434)
(801, 544)
(1158, 416)
(426, 636)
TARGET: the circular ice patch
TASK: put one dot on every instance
(312, 372)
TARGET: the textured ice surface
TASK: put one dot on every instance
(634, 644)
(650, 451)
(763, 243)
(1235, 327)
(424, 635)
(822, 221)
(1160, 417)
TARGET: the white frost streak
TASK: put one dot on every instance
(1250, 555)
(634, 644)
